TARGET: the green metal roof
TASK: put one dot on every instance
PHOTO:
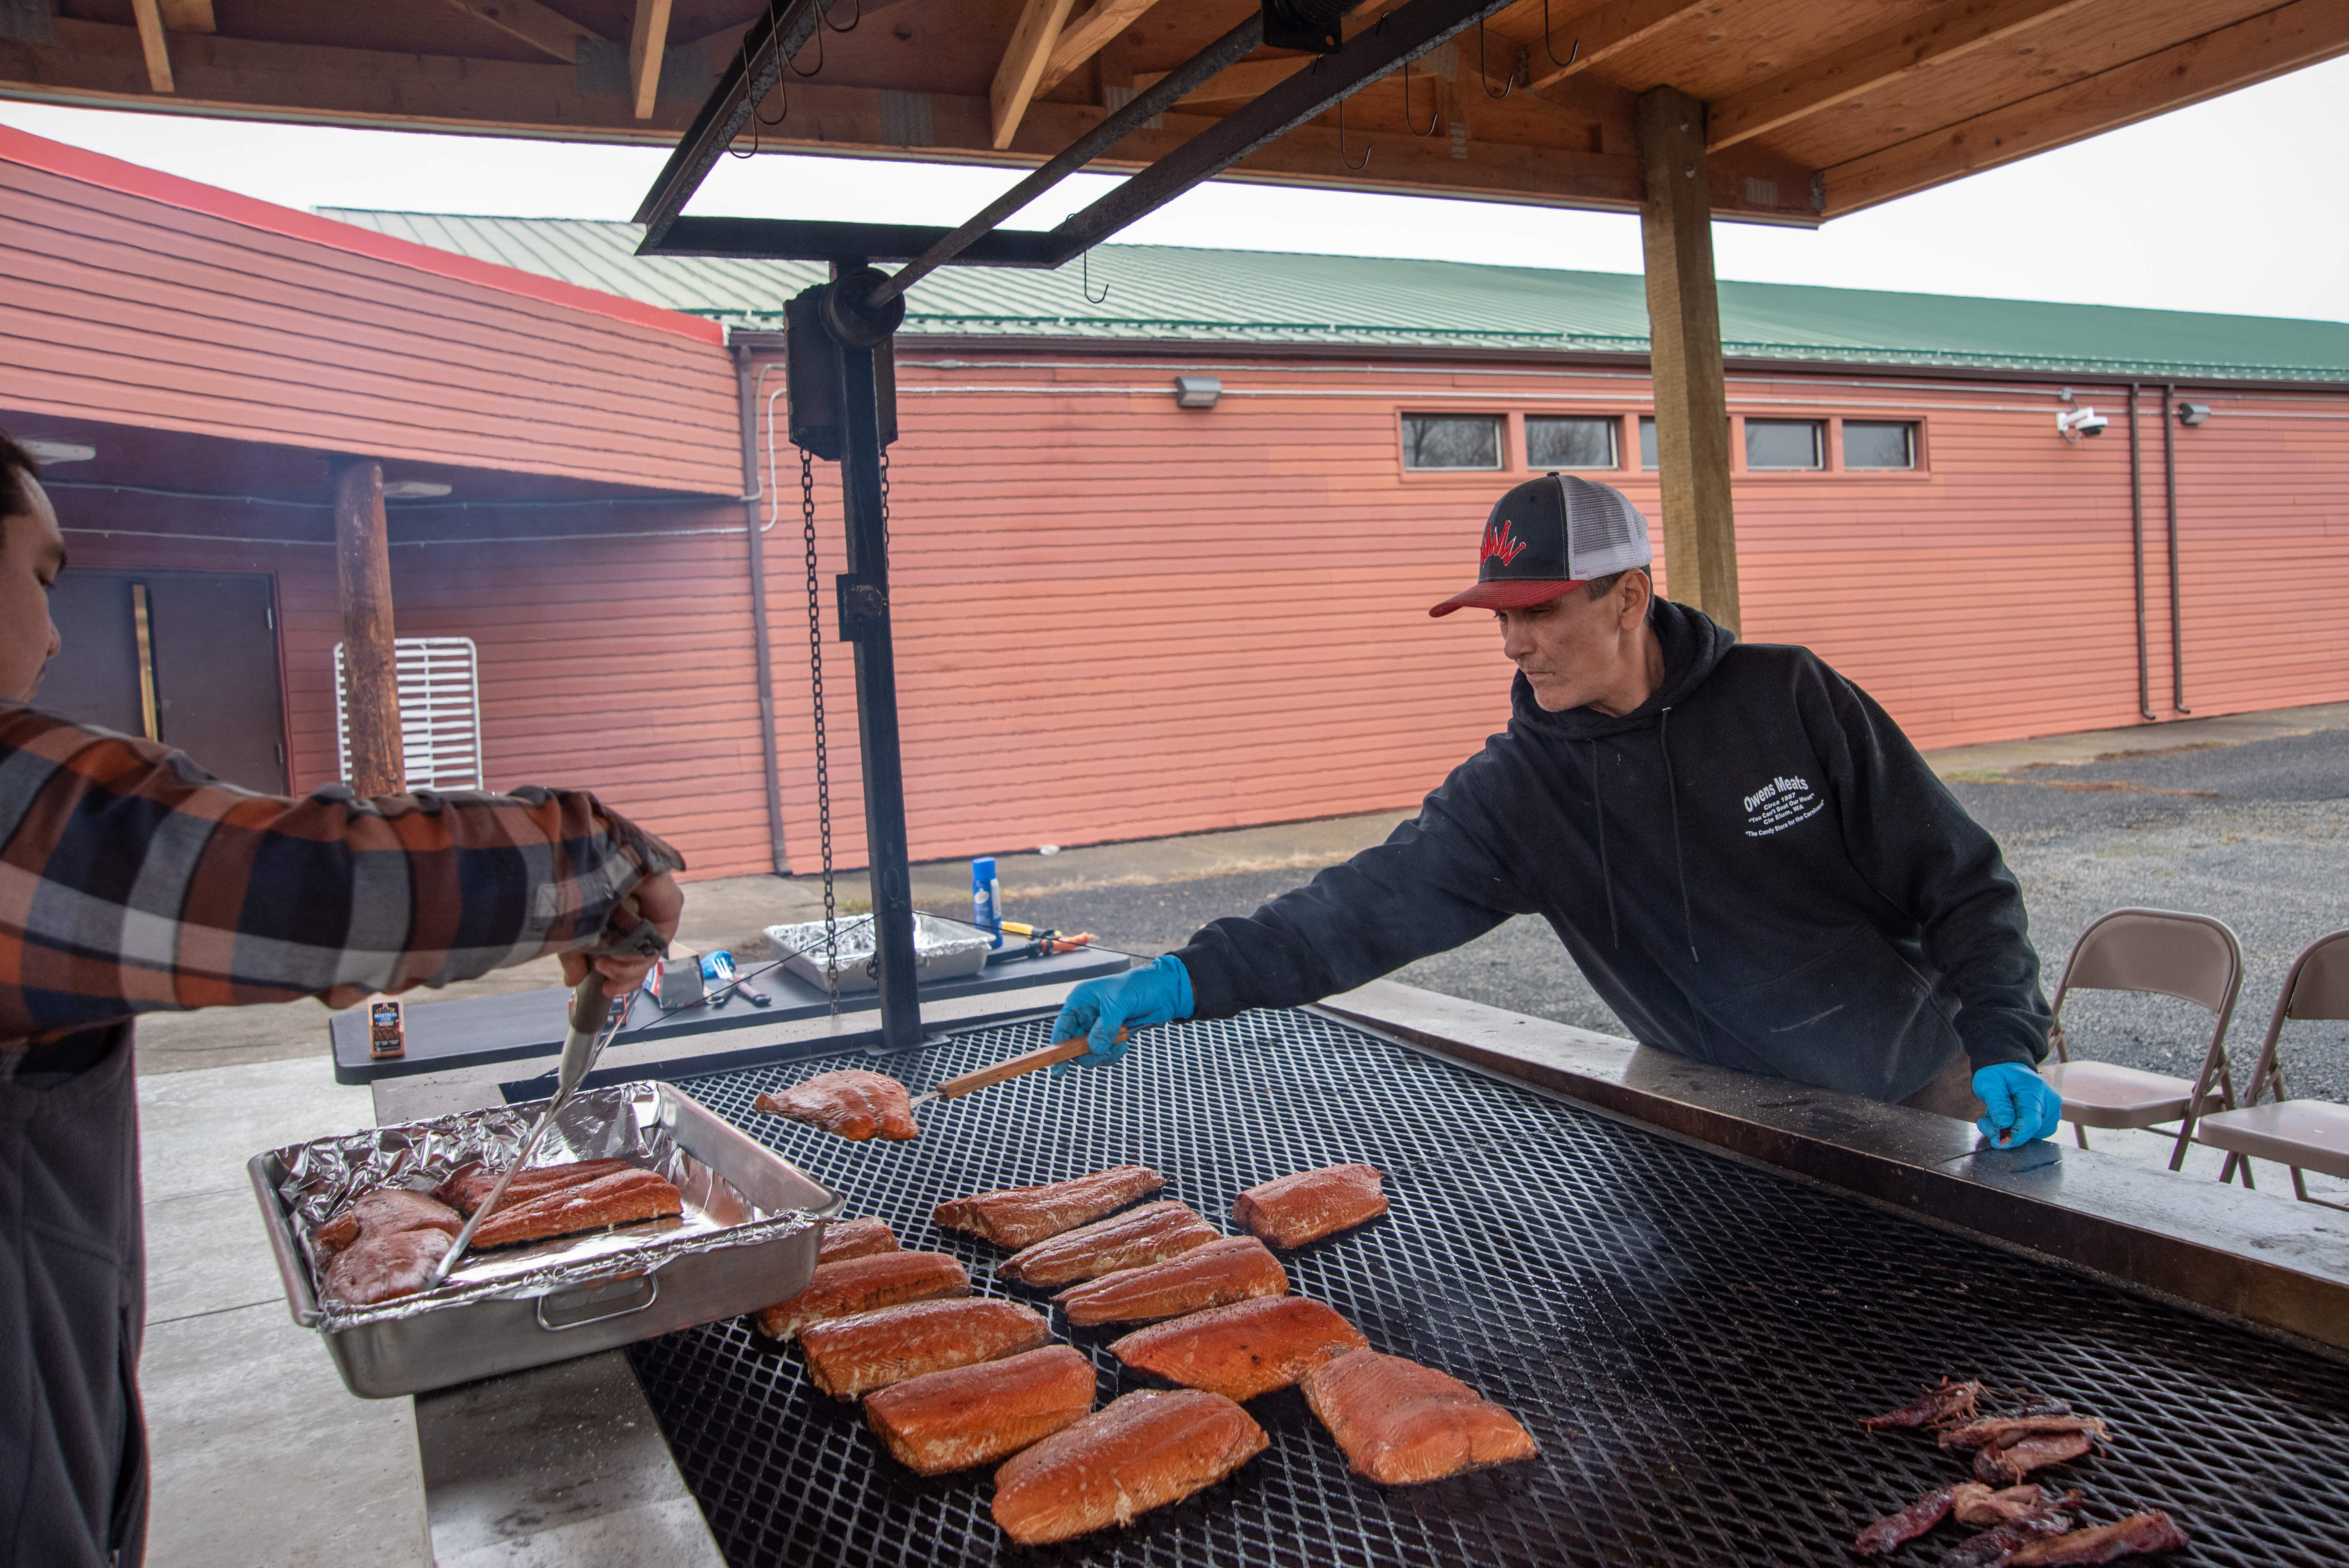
(1167, 293)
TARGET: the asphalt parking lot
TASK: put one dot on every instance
(2255, 833)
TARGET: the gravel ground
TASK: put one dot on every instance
(2256, 834)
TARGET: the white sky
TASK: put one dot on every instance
(2236, 206)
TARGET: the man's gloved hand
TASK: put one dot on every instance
(1154, 993)
(2022, 1105)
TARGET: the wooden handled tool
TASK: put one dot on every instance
(1010, 1068)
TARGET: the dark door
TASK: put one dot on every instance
(208, 653)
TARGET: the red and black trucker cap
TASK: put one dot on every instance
(1548, 535)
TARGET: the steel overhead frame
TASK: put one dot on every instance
(861, 308)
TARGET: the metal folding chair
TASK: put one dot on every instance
(2163, 953)
(2305, 1134)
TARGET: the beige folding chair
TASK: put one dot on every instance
(2302, 1133)
(2190, 956)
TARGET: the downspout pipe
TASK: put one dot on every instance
(763, 652)
(2169, 482)
(2136, 542)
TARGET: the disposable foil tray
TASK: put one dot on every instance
(942, 951)
(746, 1239)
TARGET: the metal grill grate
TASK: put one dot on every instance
(1689, 1339)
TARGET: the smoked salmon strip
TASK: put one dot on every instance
(1401, 1423)
(1022, 1216)
(1140, 1453)
(1236, 1268)
(973, 1415)
(620, 1199)
(1296, 1210)
(468, 1185)
(855, 1239)
(1149, 1234)
(865, 1285)
(853, 1103)
(1243, 1350)
(851, 1356)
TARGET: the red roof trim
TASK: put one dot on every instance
(189, 195)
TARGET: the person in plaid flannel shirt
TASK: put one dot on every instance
(132, 882)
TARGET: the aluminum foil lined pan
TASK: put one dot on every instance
(942, 949)
(322, 1178)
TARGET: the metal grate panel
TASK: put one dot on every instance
(1688, 1338)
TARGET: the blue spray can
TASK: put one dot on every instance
(987, 899)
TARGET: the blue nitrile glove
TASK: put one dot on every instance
(1158, 991)
(2021, 1103)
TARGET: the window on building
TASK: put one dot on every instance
(1451, 441)
(1648, 458)
(1785, 444)
(1879, 444)
(1569, 443)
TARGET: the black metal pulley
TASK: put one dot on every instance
(1308, 24)
(812, 364)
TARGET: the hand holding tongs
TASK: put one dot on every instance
(593, 1022)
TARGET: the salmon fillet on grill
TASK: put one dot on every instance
(1149, 1234)
(1022, 1216)
(2139, 1534)
(851, 1356)
(865, 1285)
(468, 1187)
(853, 1103)
(1295, 1210)
(1245, 1350)
(622, 1198)
(1140, 1453)
(855, 1238)
(975, 1415)
(1236, 1268)
(1401, 1423)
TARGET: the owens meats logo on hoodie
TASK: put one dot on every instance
(1779, 805)
(1500, 544)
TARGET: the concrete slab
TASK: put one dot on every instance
(207, 1251)
(2099, 744)
(196, 1130)
(262, 1458)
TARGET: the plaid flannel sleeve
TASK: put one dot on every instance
(131, 882)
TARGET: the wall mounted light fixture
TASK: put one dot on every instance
(1196, 391)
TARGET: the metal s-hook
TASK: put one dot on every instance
(1484, 78)
(1085, 278)
(1551, 50)
(824, 13)
(1434, 114)
(1365, 163)
(818, 54)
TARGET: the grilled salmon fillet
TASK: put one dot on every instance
(1296, 1210)
(972, 1415)
(1401, 1423)
(853, 1103)
(1022, 1216)
(386, 1212)
(1233, 1268)
(855, 1239)
(1243, 1351)
(1140, 1453)
(1149, 1234)
(384, 1265)
(851, 1356)
(622, 1198)
(467, 1187)
(865, 1285)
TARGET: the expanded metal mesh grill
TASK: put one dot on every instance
(1688, 1338)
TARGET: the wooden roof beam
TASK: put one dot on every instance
(542, 27)
(1603, 31)
(189, 16)
(1087, 36)
(647, 43)
(2303, 33)
(153, 45)
(1945, 32)
(1017, 79)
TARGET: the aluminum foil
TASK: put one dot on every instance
(941, 949)
(322, 1178)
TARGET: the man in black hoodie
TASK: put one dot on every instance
(1745, 856)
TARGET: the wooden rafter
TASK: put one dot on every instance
(647, 42)
(542, 27)
(1086, 36)
(153, 45)
(1016, 80)
(1944, 33)
(189, 17)
(1234, 84)
(1607, 30)
(2304, 33)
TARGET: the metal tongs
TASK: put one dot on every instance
(593, 1022)
(1066, 1050)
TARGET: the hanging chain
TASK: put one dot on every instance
(885, 502)
(822, 769)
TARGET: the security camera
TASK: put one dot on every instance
(2074, 423)
(2193, 413)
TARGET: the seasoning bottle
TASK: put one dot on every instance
(387, 1035)
(987, 899)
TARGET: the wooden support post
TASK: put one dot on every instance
(648, 43)
(371, 662)
(1685, 356)
(149, 15)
